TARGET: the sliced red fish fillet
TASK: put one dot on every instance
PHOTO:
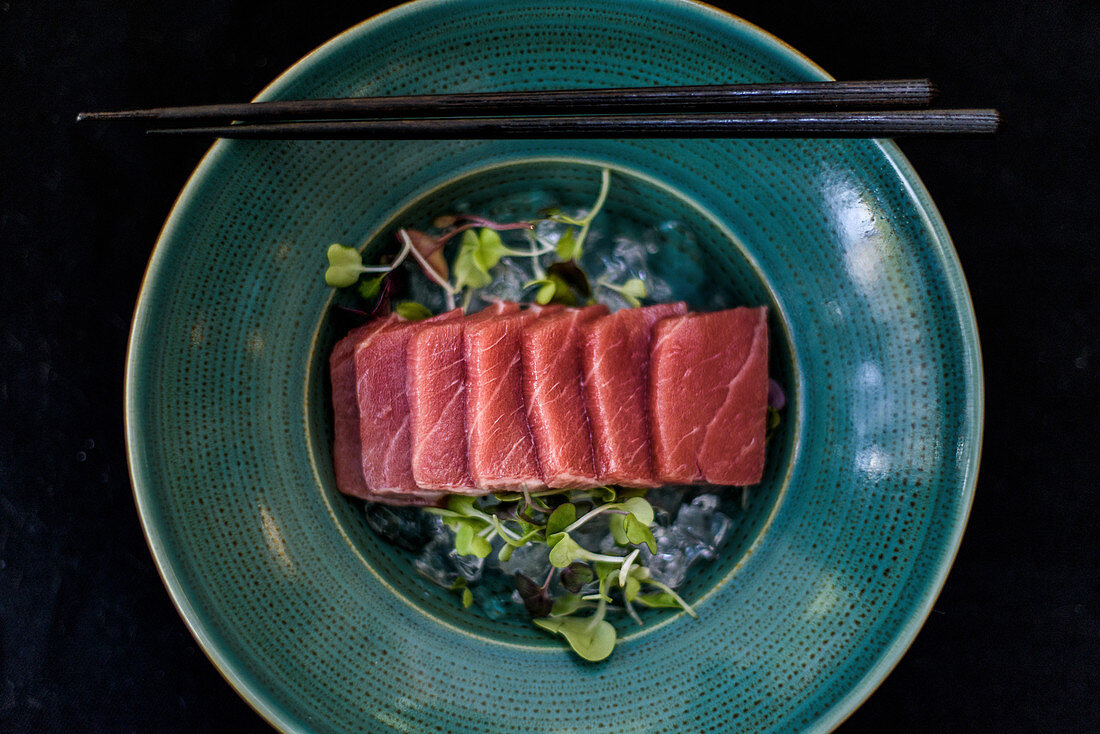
(500, 449)
(347, 458)
(616, 383)
(708, 391)
(540, 310)
(384, 435)
(436, 374)
(554, 397)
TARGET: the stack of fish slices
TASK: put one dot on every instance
(543, 397)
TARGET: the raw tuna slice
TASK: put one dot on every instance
(347, 458)
(546, 310)
(616, 382)
(552, 347)
(708, 392)
(436, 376)
(384, 435)
(501, 451)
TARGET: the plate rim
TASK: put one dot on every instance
(271, 709)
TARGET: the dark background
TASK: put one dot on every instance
(88, 637)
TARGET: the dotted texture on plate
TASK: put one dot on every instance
(842, 549)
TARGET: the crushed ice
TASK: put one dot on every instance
(686, 532)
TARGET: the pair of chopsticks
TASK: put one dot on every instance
(880, 109)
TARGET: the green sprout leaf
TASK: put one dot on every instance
(490, 248)
(462, 504)
(561, 518)
(658, 600)
(568, 248)
(464, 536)
(344, 266)
(591, 641)
(606, 573)
(617, 525)
(468, 271)
(604, 569)
(563, 294)
(773, 420)
(640, 508)
(565, 551)
(565, 604)
(505, 552)
(481, 547)
(631, 588)
(633, 288)
(469, 543)
(607, 494)
(576, 575)
(467, 598)
(412, 311)
(371, 287)
(546, 293)
(645, 535)
(635, 531)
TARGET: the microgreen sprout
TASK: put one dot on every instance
(570, 246)
(633, 290)
(412, 311)
(429, 269)
(591, 580)
(345, 265)
(591, 639)
(461, 255)
(479, 251)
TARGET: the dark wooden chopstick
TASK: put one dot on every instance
(887, 124)
(889, 93)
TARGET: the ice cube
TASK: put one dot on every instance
(468, 567)
(698, 532)
(532, 560)
(400, 526)
(706, 502)
(669, 564)
(666, 503)
(720, 526)
(435, 561)
(424, 290)
(507, 285)
(702, 527)
(694, 519)
(549, 232)
(492, 605)
(626, 259)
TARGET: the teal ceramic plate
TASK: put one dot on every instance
(840, 553)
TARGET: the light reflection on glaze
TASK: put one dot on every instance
(273, 536)
(198, 333)
(884, 409)
(874, 462)
(870, 246)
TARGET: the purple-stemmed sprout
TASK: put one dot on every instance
(776, 397)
